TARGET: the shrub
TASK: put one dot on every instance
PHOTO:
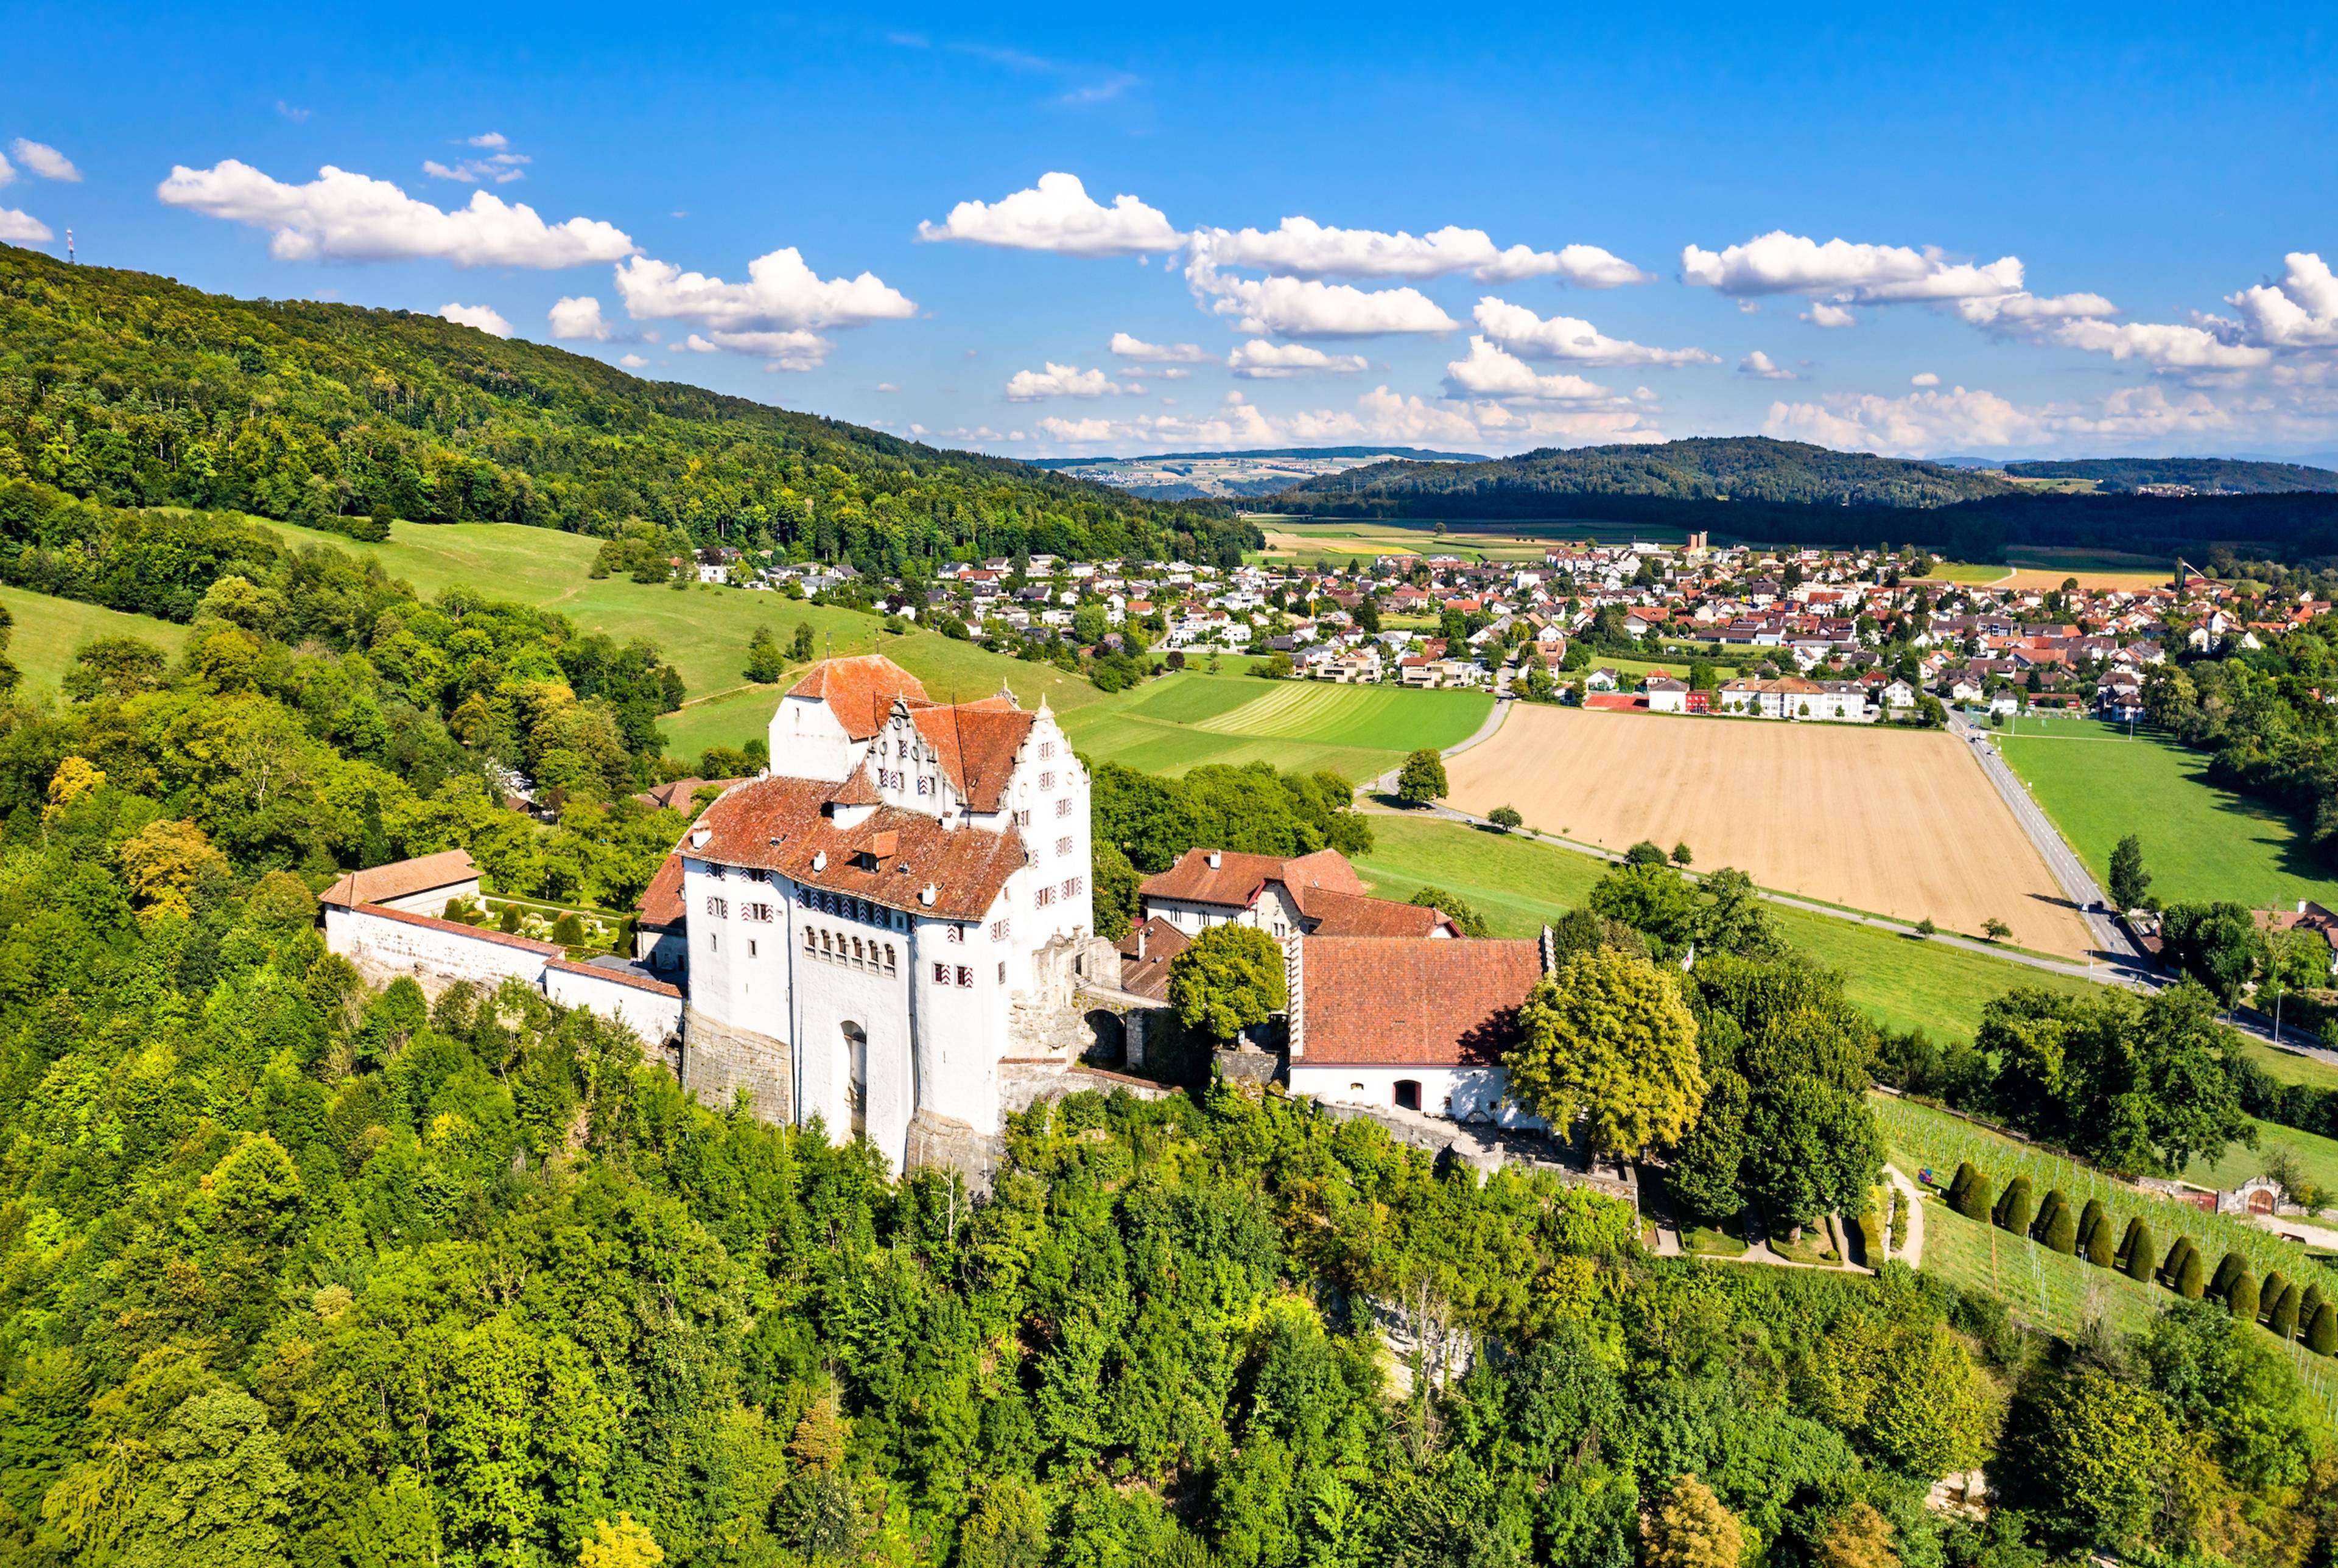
(2228, 1271)
(568, 930)
(2090, 1218)
(1958, 1185)
(2062, 1230)
(2309, 1303)
(2171, 1268)
(2053, 1205)
(2321, 1333)
(2284, 1320)
(2140, 1251)
(2101, 1248)
(2015, 1210)
(1976, 1205)
(2241, 1298)
(2269, 1293)
(2192, 1280)
(508, 920)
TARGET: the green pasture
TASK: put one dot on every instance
(2199, 841)
(49, 631)
(1964, 572)
(2045, 558)
(1183, 720)
(1521, 884)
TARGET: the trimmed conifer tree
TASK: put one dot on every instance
(2283, 1321)
(2171, 1268)
(2091, 1218)
(2062, 1230)
(2322, 1332)
(1959, 1184)
(2228, 1271)
(2054, 1204)
(2308, 1304)
(2016, 1208)
(2241, 1298)
(2140, 1251)
(2269, 1292)
(1978, 1192)
(2192, 1280)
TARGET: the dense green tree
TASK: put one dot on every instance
(1227, 979)
(1692, 1528)
(2139, 1252)
(2015, 1210)
(765, 662)
(2091, 1449)
(1608, 1040)
(1463, 913)
(2130, 880)
(1421, 779)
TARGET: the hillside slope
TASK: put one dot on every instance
(135, 390)
(2229, 475)
(1740, 469)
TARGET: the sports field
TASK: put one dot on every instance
(2199, 841)
(1901, 823)
(1521, 885)
(49, 631)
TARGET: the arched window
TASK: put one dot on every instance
(890, 962)
(856, 1077)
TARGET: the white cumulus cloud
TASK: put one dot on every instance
(1821, 314)
(1260, 359)
(2164, 346)
(1521, 331)
(1782, 263)
(345, 217)
(1058, 214)
(1305, 307)
(22, 227)
(45, 161)
(1060, 382)
(578, 315)
(773, 315)
(1302, 248)
(2026, 309)
(485, 318)
(1490, 372)
(1923, 378)
(1129, 346)
(1958, 419)
(2298, 311)
(1759, 364)
(633, 362)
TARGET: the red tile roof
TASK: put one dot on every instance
(1330, 913)
(1145, 956)
(675, 794)
(776, 824)
(1238, 878)
(1412, 1000)
(402, 879)
(661, 899)
(976, 744)
(633, 977)
(859, 691)
(486, 934)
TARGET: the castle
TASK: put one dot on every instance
(891, 929)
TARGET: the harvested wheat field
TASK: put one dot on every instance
(1900, 823)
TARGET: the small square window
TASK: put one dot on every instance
(941, 974)
(1002, 972)
(965, 975)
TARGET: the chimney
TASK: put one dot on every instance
(1140, 942)
(1216, 859)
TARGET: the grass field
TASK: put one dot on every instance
(1900, 823)
(49, 631)
(1520, 884)
(2199, 841)
(1182, 722)
(1294, 538)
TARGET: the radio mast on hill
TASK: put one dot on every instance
(69, 248)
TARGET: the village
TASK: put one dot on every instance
(1857, 636)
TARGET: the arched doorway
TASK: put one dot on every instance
(856, 1077)
(1408, 1095)
(1111, 1037)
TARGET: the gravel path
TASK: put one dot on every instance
(1912, 1254)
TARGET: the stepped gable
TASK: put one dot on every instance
(889, 858)
(1414, 1001)
(861, 690)
(977, 743)
(1330, 913)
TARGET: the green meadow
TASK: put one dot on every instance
(49, 631)
(2199, 841)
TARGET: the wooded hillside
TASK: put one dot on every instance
(131, 389)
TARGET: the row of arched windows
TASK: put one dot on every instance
(858, 953)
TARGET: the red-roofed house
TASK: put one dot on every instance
(1410, 1024)
(1280, 895)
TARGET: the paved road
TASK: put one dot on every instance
(2077, 883)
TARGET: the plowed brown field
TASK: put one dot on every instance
(1904, 824)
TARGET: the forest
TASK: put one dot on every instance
(2235, 475)
(132, 390)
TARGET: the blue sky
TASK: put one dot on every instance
(2032, 232)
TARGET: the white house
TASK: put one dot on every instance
(1410, 1024)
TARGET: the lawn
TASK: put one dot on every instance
(50, 630)
(2199, 841)
(1520, 884)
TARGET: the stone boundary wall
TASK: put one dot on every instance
(650, 1008)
